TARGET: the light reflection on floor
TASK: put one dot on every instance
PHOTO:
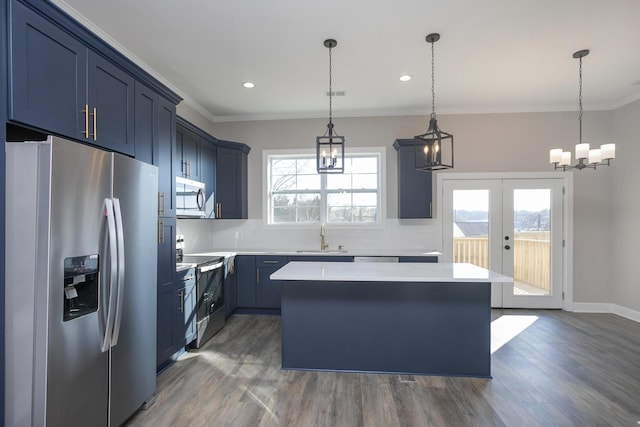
(505, 328)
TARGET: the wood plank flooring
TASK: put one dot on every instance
(565, 369)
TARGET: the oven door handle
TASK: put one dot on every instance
(205, 268)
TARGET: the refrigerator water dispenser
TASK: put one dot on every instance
(80, 286)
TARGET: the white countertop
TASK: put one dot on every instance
(313, 252)
(386, 272)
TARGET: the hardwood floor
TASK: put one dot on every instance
(564, 369)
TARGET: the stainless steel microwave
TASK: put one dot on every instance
(191, 199)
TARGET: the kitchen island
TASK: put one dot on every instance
(409, 318)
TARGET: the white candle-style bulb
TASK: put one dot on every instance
(555, 155)
(335, 153)
(426, 150)
(582, 150)
(608, 151)
(566, 158)
(595, 156)
(436, 147)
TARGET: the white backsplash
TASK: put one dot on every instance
(204, 235)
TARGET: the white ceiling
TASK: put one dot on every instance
(493, 55)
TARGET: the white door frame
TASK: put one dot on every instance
(567, 217)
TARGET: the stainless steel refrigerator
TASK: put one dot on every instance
(80, 285)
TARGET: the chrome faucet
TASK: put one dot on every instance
(323, 245)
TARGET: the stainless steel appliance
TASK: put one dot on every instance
(81, 273)
(210, 309)
(190, 199)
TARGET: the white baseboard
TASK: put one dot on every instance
(594, 307)
(626, 312)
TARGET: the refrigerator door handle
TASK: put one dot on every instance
(111, 261)
(120, 268)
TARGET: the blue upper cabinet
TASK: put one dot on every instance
(414, 186)
(111, 105)
(231, 180)
(66, 81)
(155, 132)
(48, 75)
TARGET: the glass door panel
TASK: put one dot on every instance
(471, 227)
(472, 214)
(532, 243)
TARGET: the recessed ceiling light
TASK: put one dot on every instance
(405, 77)
(248, 85)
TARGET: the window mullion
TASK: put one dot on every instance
(323, 199)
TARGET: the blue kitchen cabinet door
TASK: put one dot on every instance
(165, 153)
(208, 154)
(414, 186)
(48, 79)
(188, 154)
(246, 280)
(167, 300)
(111, 105)
(146, 124)
(185, 297)
(268, 292)
(231, 182)
(155, 142)
(165, 337)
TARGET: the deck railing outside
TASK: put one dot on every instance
(531, 256)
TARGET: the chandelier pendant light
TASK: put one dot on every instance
(587, 157)
(330, 146)
(433, 149)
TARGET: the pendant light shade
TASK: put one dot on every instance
(433, 149)
(330, 146)
(587, 157)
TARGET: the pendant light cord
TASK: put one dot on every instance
(580, 101)
(330, 90)
(433, 83)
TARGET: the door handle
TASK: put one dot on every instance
(112, 263)
(121, 271)
(85, 110)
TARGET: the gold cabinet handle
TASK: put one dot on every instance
(218, 211)
(85, 111)
(181, 296)
(161, 202)
(160, 231)
(95, 123)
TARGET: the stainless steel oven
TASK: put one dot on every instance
(210, 308)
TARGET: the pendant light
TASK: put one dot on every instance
(587, 158)
(330, 146)
(433, 149)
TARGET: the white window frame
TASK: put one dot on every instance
(380, 152)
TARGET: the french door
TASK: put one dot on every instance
(511, 226)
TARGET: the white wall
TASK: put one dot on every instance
(483, 143)
(626, 205)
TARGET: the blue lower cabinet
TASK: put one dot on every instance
(246, 280)
(268, 292)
